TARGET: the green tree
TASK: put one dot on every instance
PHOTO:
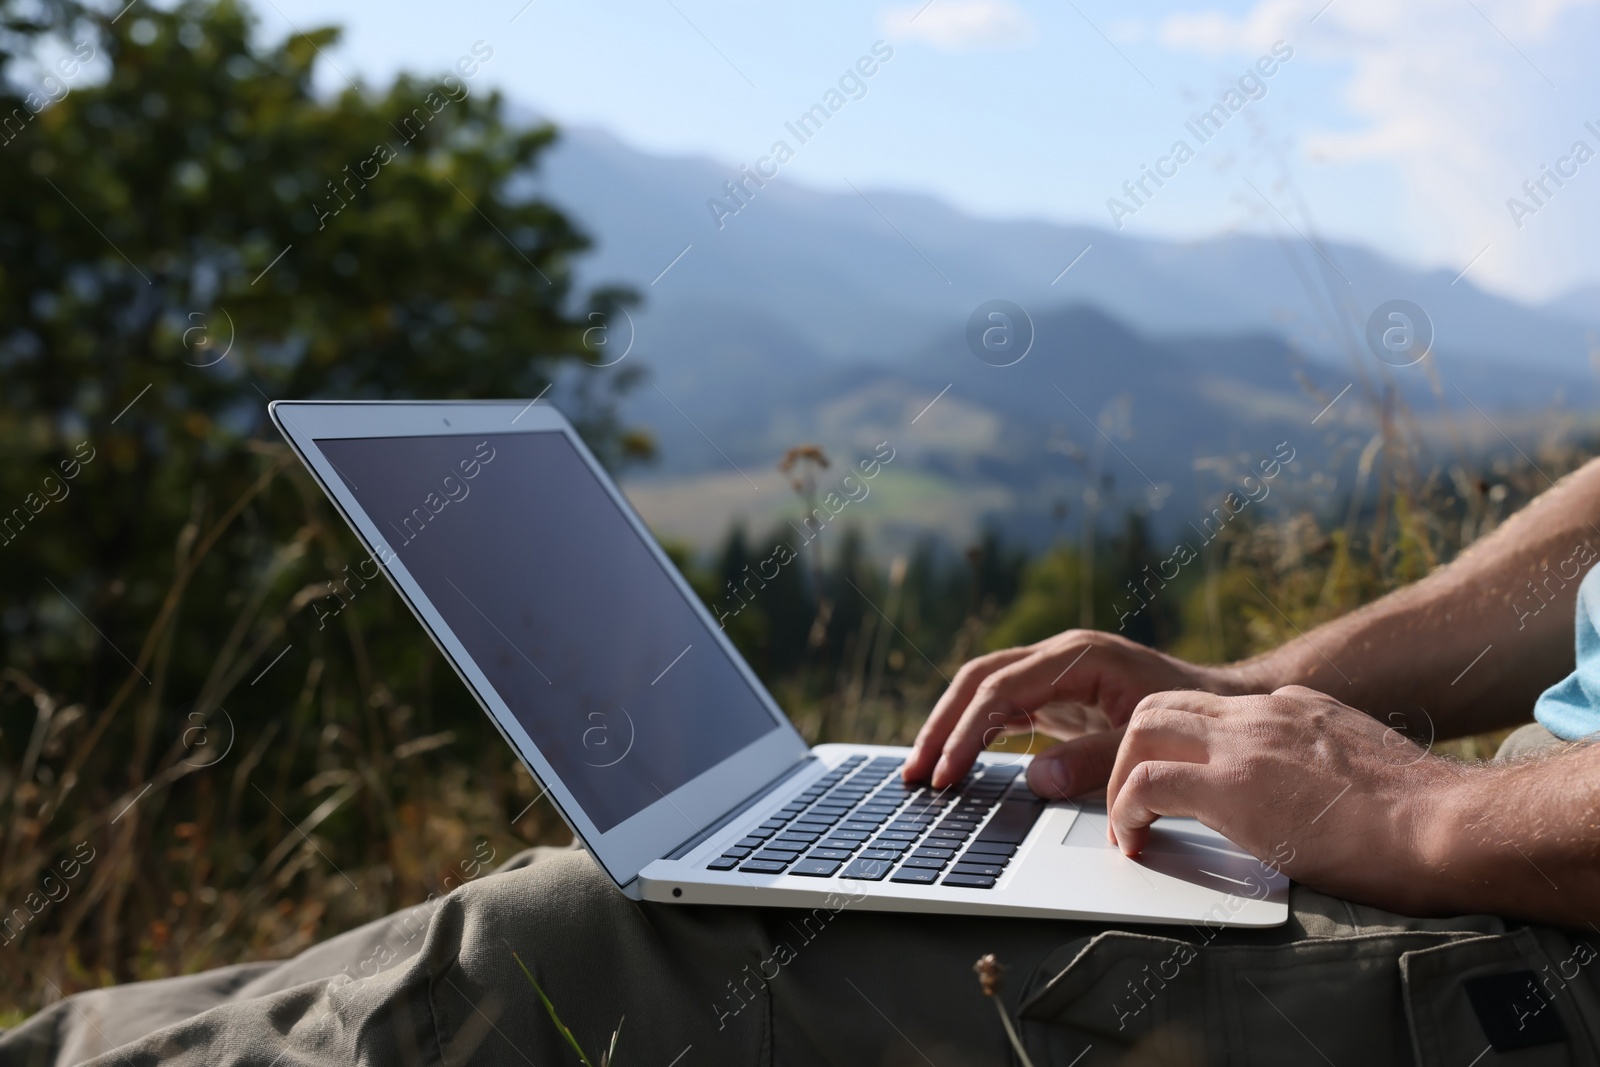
(188, 229)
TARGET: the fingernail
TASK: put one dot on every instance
(1049, 777)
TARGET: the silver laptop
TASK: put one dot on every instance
(653, 738)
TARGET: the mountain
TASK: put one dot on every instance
(1160, 371)
(872, 275)
(1582, 304)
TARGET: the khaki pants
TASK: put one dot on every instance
(1341, 984)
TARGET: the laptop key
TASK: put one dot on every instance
(970, 856)
(898, 835)
(778, 855)
(992, 848)
(723, 863)
(774, 824)
(935, 853)
(891, 845)
(797, 834)
(850, 828)
(931, 863)
(966, 881)
(763, 867)
(949, 835)
(846, 834)
(737, 852)
(1012, 821)
(756, 836)
(991, 870)
(868, 870)
(915, 875)
(815, 868)
(879, 854)
(791, 846)
(828, 854)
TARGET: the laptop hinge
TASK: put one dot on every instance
(739, 809)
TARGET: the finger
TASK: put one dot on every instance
(1007, 695)
(925, 751)
(1194, 701)
(1159, 734)
(1075, 766)
(1156, 788)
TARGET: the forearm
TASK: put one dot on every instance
(1519, 840)
(1474, 643)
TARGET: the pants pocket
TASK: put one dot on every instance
(1503, 1000)
(1115, 998)
(1123, 998)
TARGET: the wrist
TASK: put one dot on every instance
(1295, 663)
(1456, 864)
(1256, 675)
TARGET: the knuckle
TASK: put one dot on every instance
(981, 665)
(1144, 717)
(993, 686)
(1143, 776)
(1147, 703)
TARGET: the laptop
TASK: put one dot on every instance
(656, 742)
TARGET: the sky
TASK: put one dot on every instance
(1411, 127)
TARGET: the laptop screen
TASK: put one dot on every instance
(563, 607)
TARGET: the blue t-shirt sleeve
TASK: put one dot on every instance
(1570, 709)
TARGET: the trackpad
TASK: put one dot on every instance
(1172, 836)
(1089, 828)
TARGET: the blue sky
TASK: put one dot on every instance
(1406, 127)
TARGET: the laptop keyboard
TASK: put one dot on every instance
(861, 821)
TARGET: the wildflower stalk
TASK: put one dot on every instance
(989, 971)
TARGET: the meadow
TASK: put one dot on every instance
(362, 779)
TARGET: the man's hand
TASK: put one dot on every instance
(1061, 686)
(1324, 792)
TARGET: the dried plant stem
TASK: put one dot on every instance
(1011, 1032)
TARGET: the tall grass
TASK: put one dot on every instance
(239, 827)
(147, 837)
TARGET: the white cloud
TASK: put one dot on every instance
(962, 25)
(1458, 97)
(1128, 31)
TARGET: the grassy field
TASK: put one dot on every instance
(255, 831)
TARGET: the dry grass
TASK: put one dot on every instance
(358, 796)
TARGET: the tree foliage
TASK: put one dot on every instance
(188, 228)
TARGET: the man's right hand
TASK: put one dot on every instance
(1047, 687)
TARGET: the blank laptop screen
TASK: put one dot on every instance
(562, 606)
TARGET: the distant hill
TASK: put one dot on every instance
(819, 316)
(875, 278)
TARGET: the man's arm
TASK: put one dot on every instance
(1470, 648)
(1475, 642)
(1337, 801)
